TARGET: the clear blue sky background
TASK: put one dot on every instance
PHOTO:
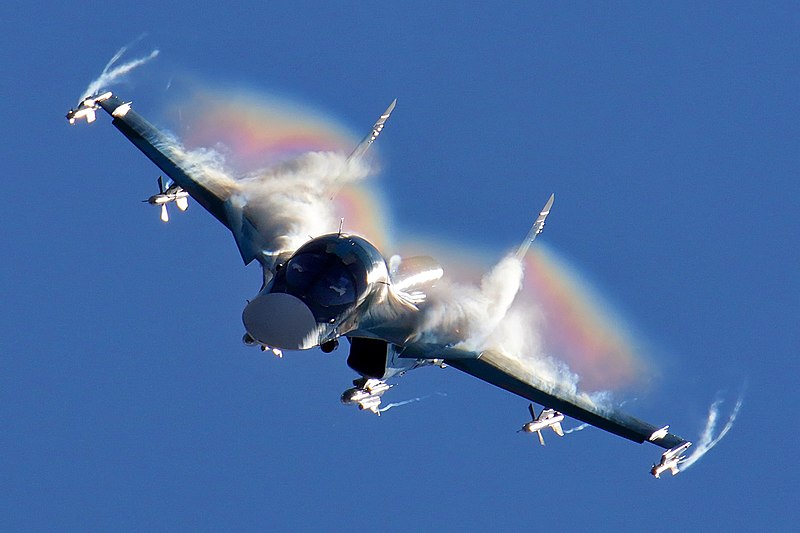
(669, 135)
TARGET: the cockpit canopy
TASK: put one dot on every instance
(321, 278)
(329, 274)
(312, 297)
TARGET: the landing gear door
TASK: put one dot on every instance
(368, 356)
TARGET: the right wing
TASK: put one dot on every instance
(512, 375)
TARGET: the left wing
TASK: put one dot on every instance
(213, 190)
(217, 192)
(512, 375)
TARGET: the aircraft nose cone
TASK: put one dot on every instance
(281, 321)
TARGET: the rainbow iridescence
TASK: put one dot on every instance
(253, 131)
(581, 327)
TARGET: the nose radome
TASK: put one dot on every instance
(281, 320)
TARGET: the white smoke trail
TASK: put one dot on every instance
(290, 203)
(399, 404)
(707, 439)
(406, 402)
(577, 428)
(111, 75)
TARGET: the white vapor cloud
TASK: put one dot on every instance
(471, 314)
(110, 75)
(487, 317)
(289, 203)
(707, 439)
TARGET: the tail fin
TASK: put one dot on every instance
(536, 229)
(366, 142)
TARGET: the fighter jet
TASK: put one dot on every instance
(339, 286)
(548, 418)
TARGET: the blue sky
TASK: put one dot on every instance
(669, 135)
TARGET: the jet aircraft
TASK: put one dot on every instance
(339, 285)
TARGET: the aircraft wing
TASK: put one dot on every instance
(213, 190)
(209, 190)
(217, 192)
(512, 375)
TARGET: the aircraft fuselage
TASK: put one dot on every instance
(315, 296)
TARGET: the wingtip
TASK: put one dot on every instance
(390, 108)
